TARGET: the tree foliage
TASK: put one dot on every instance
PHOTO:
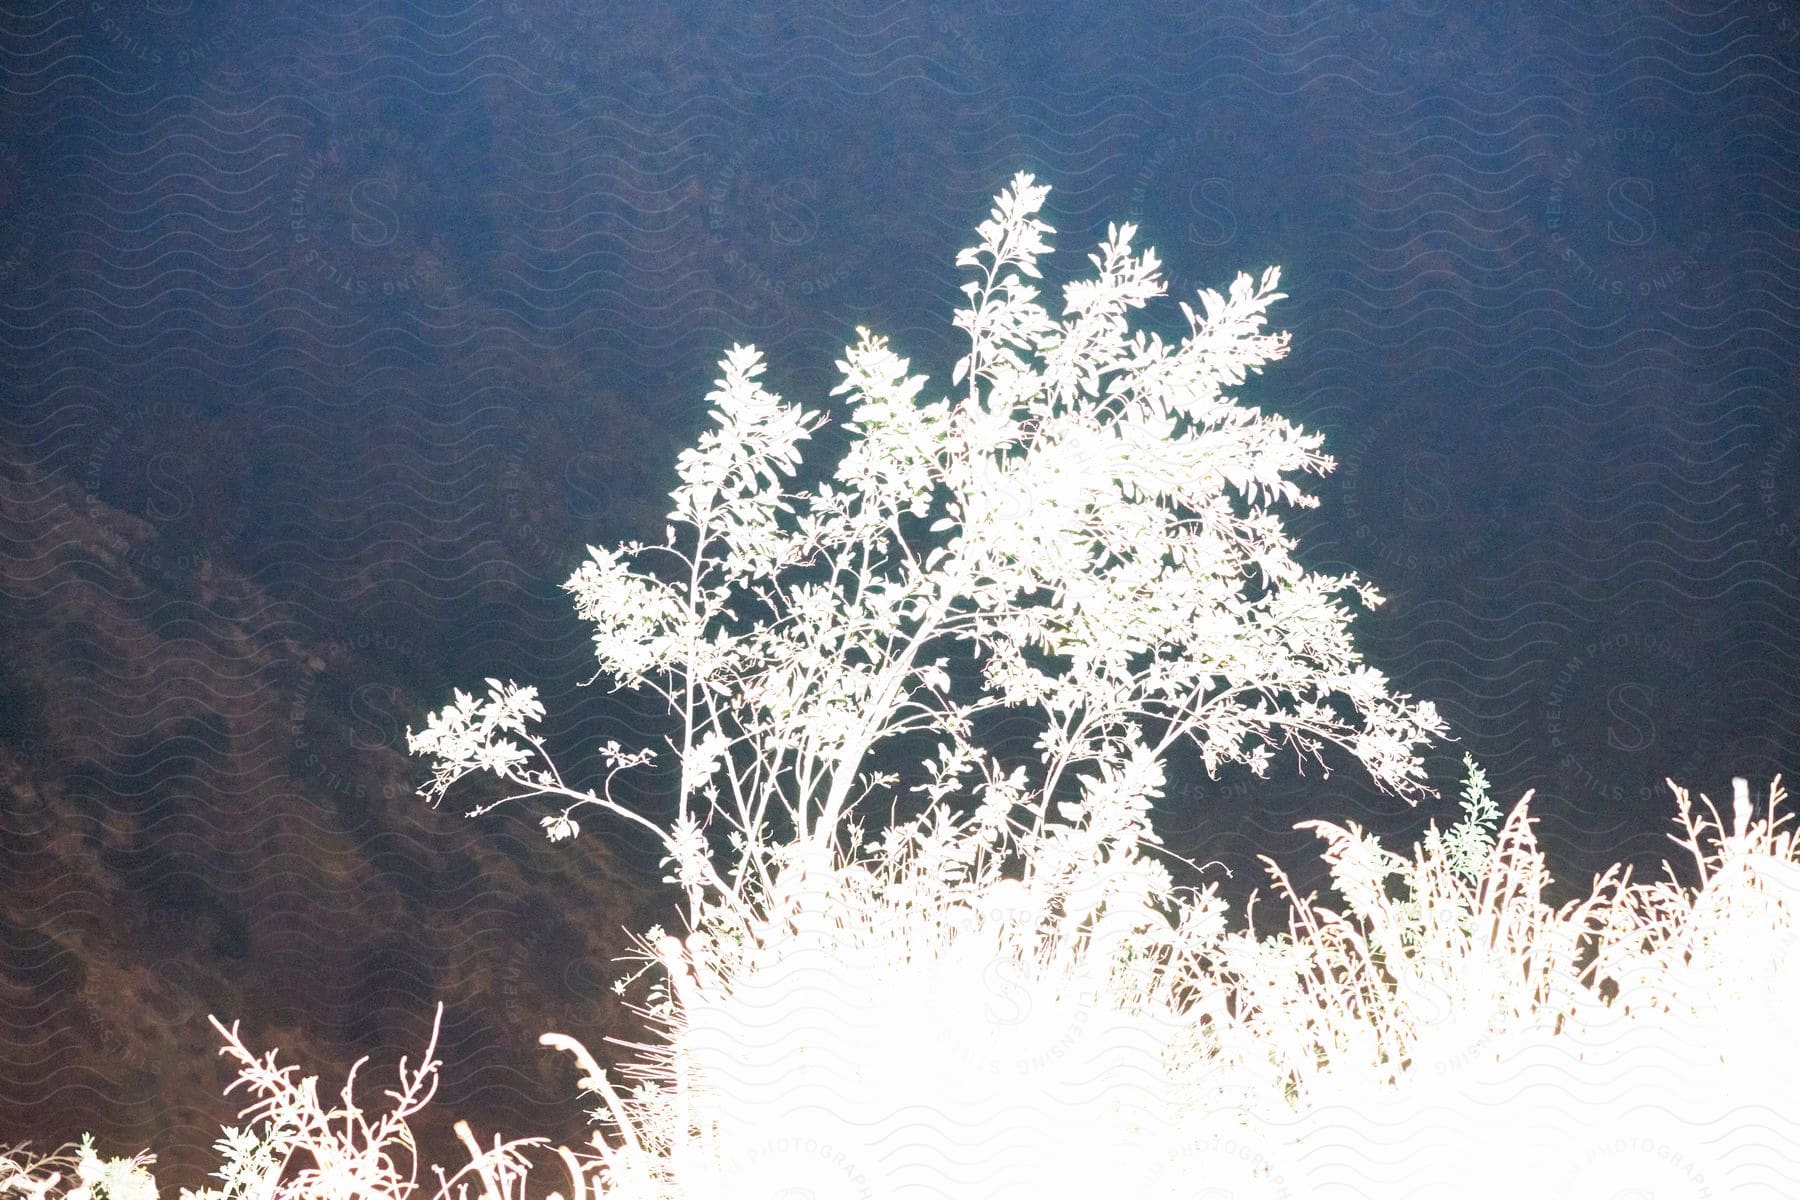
(1091, 523)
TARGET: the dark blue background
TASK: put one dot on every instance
(329, 335)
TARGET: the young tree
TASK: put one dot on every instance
(1090, 518)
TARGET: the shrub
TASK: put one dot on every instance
(1091, 523)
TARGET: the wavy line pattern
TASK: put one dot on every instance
(330, 335)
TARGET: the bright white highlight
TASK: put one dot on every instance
(1006, 994)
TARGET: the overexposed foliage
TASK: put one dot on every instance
(1090, 522)
(1086, 532)
(998, 989)
(1459, 1038)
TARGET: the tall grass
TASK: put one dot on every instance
(887, 1027)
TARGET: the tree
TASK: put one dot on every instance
(1090, 520)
